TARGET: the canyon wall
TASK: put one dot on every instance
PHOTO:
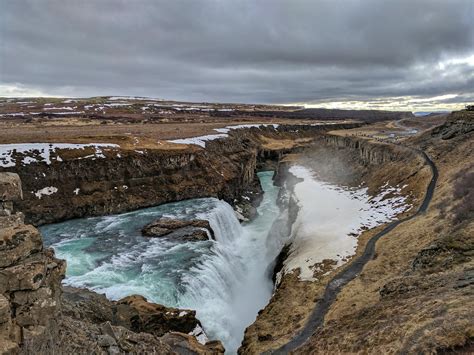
(131, 179)
(342, 160)
(371, 152)
(416, 295)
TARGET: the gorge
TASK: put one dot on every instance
(290, 206)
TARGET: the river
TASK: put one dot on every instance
(225, 280)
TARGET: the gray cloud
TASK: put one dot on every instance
(251, 51)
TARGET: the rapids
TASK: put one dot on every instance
(225, 281)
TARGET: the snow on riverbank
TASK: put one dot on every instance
(331, 218)
(223, 133)
(43, 152)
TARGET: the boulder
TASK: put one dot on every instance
(186, 230)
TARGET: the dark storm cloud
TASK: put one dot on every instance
(253, 51)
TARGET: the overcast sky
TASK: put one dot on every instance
(413, 54)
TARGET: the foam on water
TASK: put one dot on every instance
(224, 280)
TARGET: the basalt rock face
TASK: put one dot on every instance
(30, 279)
(104, 186)
(370, 152)
(127, 179)
(130, 180)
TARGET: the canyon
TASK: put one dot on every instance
(425, 263)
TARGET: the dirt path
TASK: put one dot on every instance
(333, 288)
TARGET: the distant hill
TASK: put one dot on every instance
(325, 114)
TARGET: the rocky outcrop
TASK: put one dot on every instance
(187, 344)
(457, 124)
(184, 230)
(30, 279)
(131, 325)
(136, 314)
(133, 312)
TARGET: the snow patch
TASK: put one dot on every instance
(13, 114)
(200, 141)
(58, 108)
(68, 113)
(222, 133)
(47, 191)
(198, 332)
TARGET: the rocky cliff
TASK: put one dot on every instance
(371, 152)
(129, 179)
(30, 278)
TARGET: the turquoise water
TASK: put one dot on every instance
(224, 280)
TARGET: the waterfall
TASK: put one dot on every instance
(213, 286)
(231, 285)
(224, 280)
(224, 223)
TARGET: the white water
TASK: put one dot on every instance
(225, 280)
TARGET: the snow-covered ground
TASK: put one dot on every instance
(331, 218)
(44, 152)
(223, 133)
(200, 141)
